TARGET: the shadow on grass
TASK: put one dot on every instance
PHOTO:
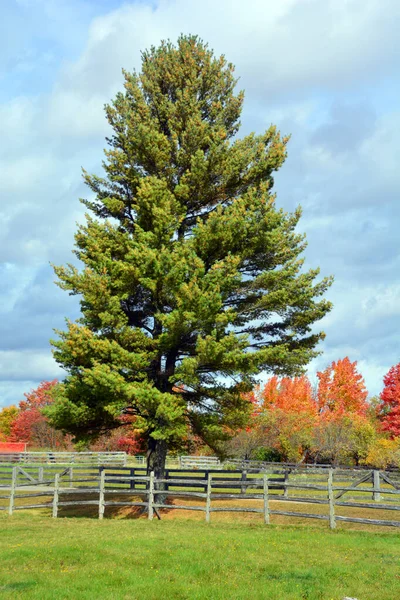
(111, 512)
(17, 586)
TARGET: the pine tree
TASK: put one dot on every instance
(192, 281)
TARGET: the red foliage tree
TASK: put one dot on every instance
(31, 425)
(124, 439)
(119, 440)
(389, 407)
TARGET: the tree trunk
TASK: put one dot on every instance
(156, 457)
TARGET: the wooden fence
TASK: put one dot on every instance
(204, 462)
(89, 458)
(282, 475)
(108, 489)
(44, 474)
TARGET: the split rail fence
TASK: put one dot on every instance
(206, 462)
(106, 488)
(89, 458)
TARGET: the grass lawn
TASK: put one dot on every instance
(81, 558)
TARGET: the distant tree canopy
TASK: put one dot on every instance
(342, 390)
(8, 414)
(30, 425)
(290, 420)
(294, 422)
(192, 281)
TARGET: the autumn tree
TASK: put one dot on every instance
(122, 439)
(246, 444)
(344, 432)
(192, 277)
(289, 394)
(389, 406)
(341, 390)
(288, 416)
(383, 453)
(31, 425)
(344, 439)
(8, 414)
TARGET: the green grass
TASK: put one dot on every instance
(70, 558)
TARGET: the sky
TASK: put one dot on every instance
(324, 71)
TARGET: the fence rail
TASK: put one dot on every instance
(202, 462)
(90, 458)
(99, 488)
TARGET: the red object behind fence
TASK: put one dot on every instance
(12, 447)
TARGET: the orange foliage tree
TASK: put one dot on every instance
(341, 390)
(288, 416)
(332, 423)
(344, 432)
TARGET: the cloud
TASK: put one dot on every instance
(11, 392)
(349, 125)
(25, 365)
(278, 48)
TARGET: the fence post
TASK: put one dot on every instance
(71, 477)
(331, 498)
(166, 476)
(101, 493)
(376, 482)
(132, 483)
(206, 476)
(208, 500)
(40, 474)
(243, 478)
(151, 497)
(55, 497)
(266, 499)
(12, 490)
(285, 488)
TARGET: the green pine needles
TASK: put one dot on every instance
(192, 282)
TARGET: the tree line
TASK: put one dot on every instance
(333, 421)
(288, 419)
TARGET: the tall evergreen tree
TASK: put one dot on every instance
(192, 281)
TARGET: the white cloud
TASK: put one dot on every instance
(74, 114)
(24, 174)
(278, 47)
(373, 372)
(12, 392)
(379, 302)
(17, 120)
(382, 148)
(25, 365)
